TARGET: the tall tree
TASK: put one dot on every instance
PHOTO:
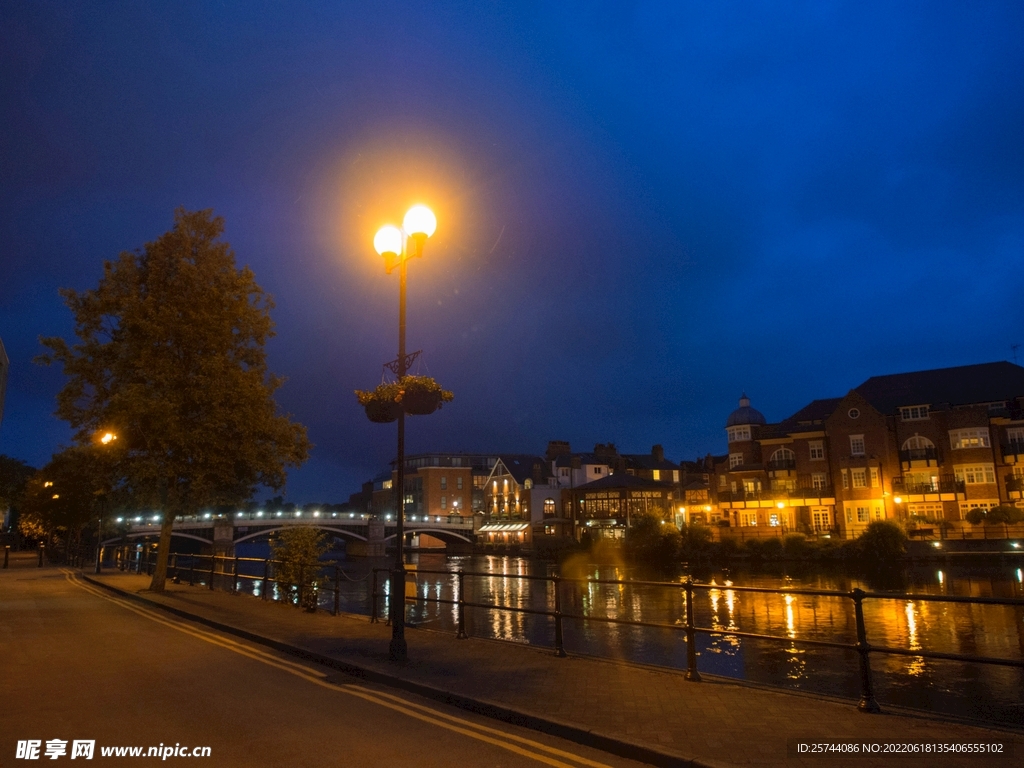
(14, 473)
(170, 356)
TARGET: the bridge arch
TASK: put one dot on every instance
(438, 533)
(143, 534)
(265, 531)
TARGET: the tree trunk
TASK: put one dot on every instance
(160, 572)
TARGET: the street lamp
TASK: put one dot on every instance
(105, 440)
(392, 244)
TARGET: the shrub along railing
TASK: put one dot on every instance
(862, 647)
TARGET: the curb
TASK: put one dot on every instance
(615, 745)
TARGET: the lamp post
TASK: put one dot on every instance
(105, 440)
(393, 244)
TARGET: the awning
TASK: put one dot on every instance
(502, 527)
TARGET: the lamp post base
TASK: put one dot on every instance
(398, 650)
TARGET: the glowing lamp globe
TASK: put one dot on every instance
(388, 241)
(420, 221)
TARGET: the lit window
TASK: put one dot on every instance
(863, 514)
(969, 438)
(846, 479)
(817, 450)
(656, 474)
(984, 473)
(856, 445)
(819, 481)
(914, 412)
(874, 477)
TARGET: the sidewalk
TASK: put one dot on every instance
(638, 712)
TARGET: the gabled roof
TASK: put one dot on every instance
(520, 466)
(963, 385)
(565, 459)
(621, 480)
(805, 420)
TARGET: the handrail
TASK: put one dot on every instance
(867, 701)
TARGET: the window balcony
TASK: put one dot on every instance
(941, 484)
(1014, 483)
(780, 464)
(920, 454)
(1013, 448)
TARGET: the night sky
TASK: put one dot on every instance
(644, 208)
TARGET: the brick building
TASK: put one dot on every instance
(929, 445)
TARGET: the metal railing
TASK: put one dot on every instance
(862, 647)
(204, 570)
(941, 484)
(919, 454)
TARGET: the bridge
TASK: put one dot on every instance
(365, 534)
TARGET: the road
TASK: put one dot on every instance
(78, 663)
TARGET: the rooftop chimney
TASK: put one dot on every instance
(658, 453)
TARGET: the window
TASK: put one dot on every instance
(751, 486)
(846, 478)
(1015, 434)
(817, 448)
(750, 518)
(656, 474)
(735, 459)
(738, 434)
(969, 438)
(444, 482)
(723, 481)
(874, 477)
(967, 506)
(675, 476)
(819, 481)
(458, 482)
(549, 507)
(773, 520)
(914, 412)
(856, 445)
(386, 485)
(863, 514)
(563, 472)
(598, 470)
(859, 478)
(822, 518)
(784, 458)
(853, 413)
(984, 473)
(549, 530)
(444, 502)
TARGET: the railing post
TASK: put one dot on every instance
(234, 578)
(192, 570)
(213, 569)
(559, 645)
(461, 634)
(867, 694)
(373, 599)
(266, 578)
(691, 635)
(337, 590)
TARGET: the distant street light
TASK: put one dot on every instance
(392, 244)
(105, 440)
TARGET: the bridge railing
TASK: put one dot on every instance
(690, 629)
(228, 573)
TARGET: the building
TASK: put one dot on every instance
(518, 492)
(605, 508)
(921, 446)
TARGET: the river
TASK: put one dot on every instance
(984, 692)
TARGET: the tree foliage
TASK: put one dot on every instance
(298, 550)
(14, 474)
(170, 355)
(883, 542)
(64, 495)
(651, 540)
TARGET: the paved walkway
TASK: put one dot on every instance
(635, 711)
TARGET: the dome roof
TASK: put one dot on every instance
(745, 414)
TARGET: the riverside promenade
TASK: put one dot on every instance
(647, 714)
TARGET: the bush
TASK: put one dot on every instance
(771, 549)
(1005, 514)
(651, 540)
(695, 540)
(796, 547)
(975, 516)
(882, 542)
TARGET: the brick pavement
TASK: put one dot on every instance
(624, 707)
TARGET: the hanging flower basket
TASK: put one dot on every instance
(416, 395)
(421, 395)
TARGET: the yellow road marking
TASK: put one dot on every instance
(390, 701)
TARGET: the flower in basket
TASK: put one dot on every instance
(422, 395)
(381, 404)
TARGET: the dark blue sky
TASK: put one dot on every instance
(644, 208)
